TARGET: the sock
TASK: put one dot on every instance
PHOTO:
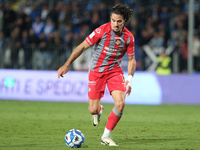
(113, 119)
(106, 133)
(100, 110)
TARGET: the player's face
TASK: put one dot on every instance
(117, 22)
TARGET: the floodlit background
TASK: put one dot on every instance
(37, 37)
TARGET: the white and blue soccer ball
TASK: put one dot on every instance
(74, 138)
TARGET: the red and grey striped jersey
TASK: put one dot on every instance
(109, 48)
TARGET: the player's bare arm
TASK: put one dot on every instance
(75, 54)
(131, 71)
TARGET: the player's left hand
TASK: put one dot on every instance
(128, 89)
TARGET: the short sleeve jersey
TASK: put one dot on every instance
(108, 48)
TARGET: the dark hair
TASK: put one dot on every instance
(122, 9)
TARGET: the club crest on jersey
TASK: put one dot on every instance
(117, 42)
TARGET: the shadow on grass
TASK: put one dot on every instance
(19, 145)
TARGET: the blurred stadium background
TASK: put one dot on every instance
(41, 34)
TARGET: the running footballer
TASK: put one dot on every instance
(109, 44)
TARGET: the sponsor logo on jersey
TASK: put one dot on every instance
(113, 49)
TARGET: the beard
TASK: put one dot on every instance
(118, 32)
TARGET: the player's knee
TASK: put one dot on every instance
(120, 105)
(93, 110)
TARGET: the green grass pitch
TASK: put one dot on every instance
(26, 125)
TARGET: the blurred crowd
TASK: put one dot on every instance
(41, 34)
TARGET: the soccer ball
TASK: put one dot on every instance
(74, 138)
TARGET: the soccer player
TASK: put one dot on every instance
(109, 44)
